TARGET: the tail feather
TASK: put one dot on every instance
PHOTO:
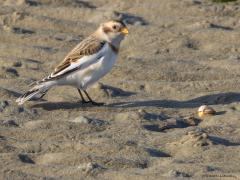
(27, 96)
(36, 92)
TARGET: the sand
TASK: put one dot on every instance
(178, 56)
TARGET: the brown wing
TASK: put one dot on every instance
(87, 47)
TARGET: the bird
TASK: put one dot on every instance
(85, 64)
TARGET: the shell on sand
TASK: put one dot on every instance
(205, 110)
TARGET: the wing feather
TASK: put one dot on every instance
(85, 53)
(88, 46)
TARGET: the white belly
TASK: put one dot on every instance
(86, 77)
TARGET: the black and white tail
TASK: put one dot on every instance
(38, 91)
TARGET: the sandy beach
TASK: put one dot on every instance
(179, 55)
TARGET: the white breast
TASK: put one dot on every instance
(97, 70)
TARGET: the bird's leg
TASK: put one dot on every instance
(90, 100)
(83, 100)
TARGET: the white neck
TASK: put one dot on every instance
(114, 42)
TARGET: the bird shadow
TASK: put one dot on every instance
(212, 99)
(50, 106)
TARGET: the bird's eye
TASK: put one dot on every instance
(114, 27)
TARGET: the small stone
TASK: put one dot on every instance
(142, 87)
(17, 64)
(190, 133)
(191, 120)
(125, 17)
(24, 158)
(10, 123)
(234, 50)
(17, 16)
(142, 112)
(31, 112)
(11, 72)
(175, 173)
(197, 1)
(19, 30)
(234, 58)
(196, 138)
(7, 28)
(81, 119)
(3, 104)
(157, 51)
(166, 25)
(89, 167)
(86, 120)
(204, 135)
(211, 168)
(32, 2)
(20, 109)
(131, 143)
(98, 122)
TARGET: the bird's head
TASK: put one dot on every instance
(113, 31)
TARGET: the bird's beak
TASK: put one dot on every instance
(124, 31)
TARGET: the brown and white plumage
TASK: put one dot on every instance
(90, 60)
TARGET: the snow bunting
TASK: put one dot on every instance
(90, 60)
